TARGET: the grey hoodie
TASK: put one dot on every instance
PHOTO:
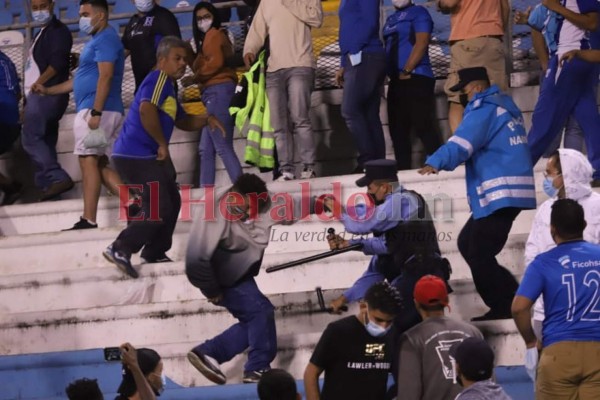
(483, 390)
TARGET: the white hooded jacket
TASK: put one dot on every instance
(577, 175)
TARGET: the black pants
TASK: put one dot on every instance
(411, 104)
(160, 207)
(479, 242)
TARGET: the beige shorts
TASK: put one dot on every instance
(110, 122)
(485, 52)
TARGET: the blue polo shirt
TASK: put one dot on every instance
(399, 36)
(104, 46)
(134, 141)
(569, 278)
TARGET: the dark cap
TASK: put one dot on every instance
(379, 170)
(467, 75)
(475, 358)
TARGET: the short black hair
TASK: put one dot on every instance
(103, 4)
(568, 219)
(383, 297)
(84, 389)
(277, 384)
(251, 184)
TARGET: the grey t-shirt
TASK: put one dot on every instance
(484, 390)
(425, 369)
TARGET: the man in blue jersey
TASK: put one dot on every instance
(568, 276)
(97, 89)
(492, 142)
(141, 156)
(568, 88)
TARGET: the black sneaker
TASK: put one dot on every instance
(493, 315)
(82, 224)
(207, 366)
(162, 259)
(121, 260)
(12, 192)
(253, 376)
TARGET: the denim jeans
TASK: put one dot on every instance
(160, 207)
(40, 135)
(363, 88)
(288, 91)
(255, 329)
(216, 98)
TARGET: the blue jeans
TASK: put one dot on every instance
(40, 134)
(255, 329)
(573, 93)
(216, 98)
(363, 88)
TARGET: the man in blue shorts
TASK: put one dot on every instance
(568, 276)
(141, 156)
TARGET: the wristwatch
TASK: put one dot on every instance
(405, 72)
(96, 113)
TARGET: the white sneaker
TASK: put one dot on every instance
(285, 176)
(308, 173)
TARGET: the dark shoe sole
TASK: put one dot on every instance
(133, 273)
(50, 195)
(208, 373)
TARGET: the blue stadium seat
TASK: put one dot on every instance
(123, 6)
(72, 11)
(6, 17)
(174, 3)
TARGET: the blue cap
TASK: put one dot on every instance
(386, 170)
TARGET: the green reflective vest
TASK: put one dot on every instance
(254, 119)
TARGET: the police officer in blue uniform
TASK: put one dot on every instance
(492, 142)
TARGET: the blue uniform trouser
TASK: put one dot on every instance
(572, 93)
(255, 329)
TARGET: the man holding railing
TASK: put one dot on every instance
(47, 65)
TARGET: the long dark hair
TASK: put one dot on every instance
(148, 359)
(198, 34)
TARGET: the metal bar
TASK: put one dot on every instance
(316, 257)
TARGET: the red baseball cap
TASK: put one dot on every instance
(431, 290)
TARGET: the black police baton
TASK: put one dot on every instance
(316, 257)
(321, 301)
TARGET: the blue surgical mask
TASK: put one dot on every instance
(144, 5)
(85, 25)
(374, 329)
(549, 189)
(41, 16)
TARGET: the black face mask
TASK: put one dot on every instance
(464, 99)
(374, 199)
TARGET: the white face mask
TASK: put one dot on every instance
(204, 25)
(41, 16)
(144, 5)
(400, 3)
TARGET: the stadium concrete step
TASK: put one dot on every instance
(87, 288)
(175, 327)
(445, 193)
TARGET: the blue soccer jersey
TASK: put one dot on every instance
(568, 276)
(134, 141)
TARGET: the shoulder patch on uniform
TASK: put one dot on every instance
(500, 111)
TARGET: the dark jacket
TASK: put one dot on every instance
(53, 48)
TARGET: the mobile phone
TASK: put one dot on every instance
(112, 354)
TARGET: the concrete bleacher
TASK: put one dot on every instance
(58, 294)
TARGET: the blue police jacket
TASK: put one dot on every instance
(492, 142)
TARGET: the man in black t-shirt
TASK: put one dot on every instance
(354, 352)
(143, 33)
